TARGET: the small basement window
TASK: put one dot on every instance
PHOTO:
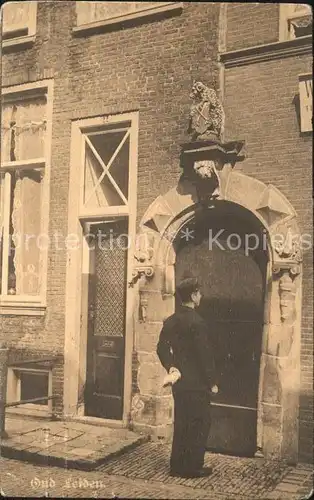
(34, 385)
(29, 381)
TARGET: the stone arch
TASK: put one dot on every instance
(277, 425)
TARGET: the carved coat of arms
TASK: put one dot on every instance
(206, 114)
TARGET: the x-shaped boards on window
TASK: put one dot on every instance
(107, 167)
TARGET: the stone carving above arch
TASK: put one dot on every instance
(273, 206)
(266, 201)
(168, 212)
(243, 190)
(157, 215)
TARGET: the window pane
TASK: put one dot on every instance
(108, 148)
(106, 10)
(97, 194)
(16, 16)
(302, 8)
(106, 143)
(147, 5)
(120, 168)
(110, 263)
(88, 12)
(25, 228)
(23, 129)
(34, 385)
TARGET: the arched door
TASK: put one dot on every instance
(232, 279)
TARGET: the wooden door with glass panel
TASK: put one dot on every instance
(106, 198)
(106, 326)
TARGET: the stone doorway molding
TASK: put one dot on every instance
(279, 384)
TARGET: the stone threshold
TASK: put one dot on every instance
(67, 459)
(71, 445)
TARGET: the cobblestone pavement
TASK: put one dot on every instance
(143, 473)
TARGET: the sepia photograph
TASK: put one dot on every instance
(156, 250)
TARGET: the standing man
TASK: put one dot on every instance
(185, 352)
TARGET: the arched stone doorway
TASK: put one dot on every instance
(231, 269)
(276, 418)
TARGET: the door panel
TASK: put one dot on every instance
(106, 335)
(232, 431)
(232, 285)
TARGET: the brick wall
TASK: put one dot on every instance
(149, 67)
(261, 107)
(250, 24)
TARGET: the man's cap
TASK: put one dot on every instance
(187, 286)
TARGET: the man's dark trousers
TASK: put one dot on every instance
(191, 429)
(184, 343)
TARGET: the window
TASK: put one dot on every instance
(295, 21)
(102, 216)
(306, 102)
(19, 22)
(23, 190)
(106, 168)
(102, 13)
(106, 172)
(34, 385)
(26, 382)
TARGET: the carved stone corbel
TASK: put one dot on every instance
(291, 268)
(289, 249)
(286, 273)
(139, 271)
(289, 256)
(143, 259)
(287, 291)
(287, 267)
(143, 308)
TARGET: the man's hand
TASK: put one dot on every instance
(173, 376)
(214, 389)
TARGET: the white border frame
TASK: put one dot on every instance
(76, 309)
(22, 304)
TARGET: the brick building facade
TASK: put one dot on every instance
(95, 87)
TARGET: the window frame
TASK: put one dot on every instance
(80, 128)
(76, 316)
(34, 305)
(306, 87)
(31, 27)
(163, 7)
(286, 14)
(14, 386)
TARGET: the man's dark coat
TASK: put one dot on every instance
(184, 343)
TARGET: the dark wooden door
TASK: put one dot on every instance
(232, 305)
(106, 329)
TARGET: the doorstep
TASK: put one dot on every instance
(72, 445)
